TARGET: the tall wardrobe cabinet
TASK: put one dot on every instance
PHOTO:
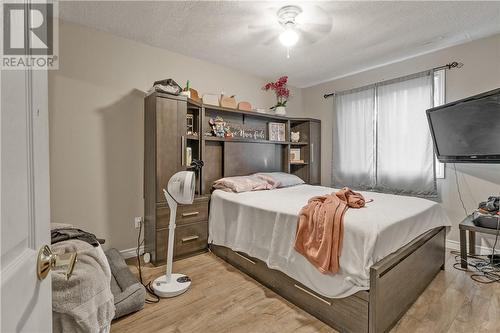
(165, 140)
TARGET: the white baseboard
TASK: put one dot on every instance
(130, 253)
(454, 245)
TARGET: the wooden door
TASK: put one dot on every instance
(170, 141)
(315, 152)
(26, 302)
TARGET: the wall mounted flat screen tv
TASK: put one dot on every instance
(467, 130)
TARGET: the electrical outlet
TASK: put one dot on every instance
(137, 222)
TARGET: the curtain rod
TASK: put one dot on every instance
(451, 65)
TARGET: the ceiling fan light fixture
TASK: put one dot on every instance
(289, 37)
(286, 17)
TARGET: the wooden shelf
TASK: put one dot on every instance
(299, 143)
(295, 121)
(298, 163)
(244, 113)
(192, 137)
(219, 108)
(215, 138)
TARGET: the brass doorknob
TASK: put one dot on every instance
(47, 260)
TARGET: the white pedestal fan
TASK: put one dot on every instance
(180, 190)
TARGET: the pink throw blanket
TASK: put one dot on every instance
(320, 228)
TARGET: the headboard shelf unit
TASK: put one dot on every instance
(167, 137)
(251, 152)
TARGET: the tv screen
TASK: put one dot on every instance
(467, 130)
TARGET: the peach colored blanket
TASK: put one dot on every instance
(319, 229)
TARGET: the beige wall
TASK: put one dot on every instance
(481, 72)
(96, 124)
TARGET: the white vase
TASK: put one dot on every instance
(280, 110)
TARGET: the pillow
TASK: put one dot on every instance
(240, 184)
(270, 180)
(283, 179)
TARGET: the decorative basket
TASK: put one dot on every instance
(194, 95)
(211, 99)
(228, 102)
(244, 106)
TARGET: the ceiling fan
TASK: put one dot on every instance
(291, 25)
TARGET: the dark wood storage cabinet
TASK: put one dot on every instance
(165, 141)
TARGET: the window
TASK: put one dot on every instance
(381, 136)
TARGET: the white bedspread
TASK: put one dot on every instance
(262, 224)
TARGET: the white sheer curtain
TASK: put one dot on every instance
(405, 156)
(381, 138)
(354, 140)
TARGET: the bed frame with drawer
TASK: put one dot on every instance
(395, 283)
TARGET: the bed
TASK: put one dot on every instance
(392, 249)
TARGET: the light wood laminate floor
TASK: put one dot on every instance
(224, 300)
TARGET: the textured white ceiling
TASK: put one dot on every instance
(363, 34)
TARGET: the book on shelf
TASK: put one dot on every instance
(295, 155)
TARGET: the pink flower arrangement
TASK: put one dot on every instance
(280, 89)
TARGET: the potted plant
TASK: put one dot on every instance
(282, 94)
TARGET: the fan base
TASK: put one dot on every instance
(178, 284)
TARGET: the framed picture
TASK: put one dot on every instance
(277, 131)
(294, 154)
(189, 124)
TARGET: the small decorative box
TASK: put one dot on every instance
(244, 106)
(228, 102)
(211, 99)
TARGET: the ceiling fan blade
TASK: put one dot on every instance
(320, 27)
(314, 13)
(259, 27)
(262, 37)
(270, 40)
(310, 37)
(264, 19)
